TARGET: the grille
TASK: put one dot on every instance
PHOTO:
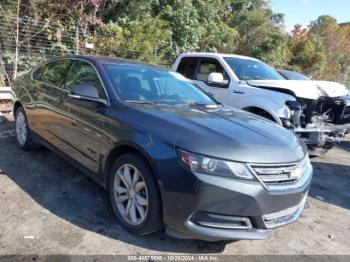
(275, 175)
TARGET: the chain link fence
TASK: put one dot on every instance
(39, 40)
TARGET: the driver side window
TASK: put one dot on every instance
(208, 66)
(82, 73)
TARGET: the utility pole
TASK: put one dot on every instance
(77, 41)
(17, 41)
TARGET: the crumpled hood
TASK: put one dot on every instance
(332, 89)
(304, 89)
(223, 133)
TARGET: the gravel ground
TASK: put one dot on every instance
(48, 207)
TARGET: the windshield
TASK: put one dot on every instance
(141, 84)
(292, 75)
(249, 69)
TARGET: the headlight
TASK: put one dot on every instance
(211, 166)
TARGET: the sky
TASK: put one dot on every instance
(304, 11)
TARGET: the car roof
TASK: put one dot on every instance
(211, 54)
(113, 60)
(286, 70)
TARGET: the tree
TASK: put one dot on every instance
(259, 29)
(125, 11)
(150, 38)
(157, 30)
(147, 40)
(185, 25)
(336, 41)
(299, 33)
(308, 55)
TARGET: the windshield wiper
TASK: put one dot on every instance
(203, 104)
(258, 78)
(145, 102)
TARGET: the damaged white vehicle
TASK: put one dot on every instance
(317, 111)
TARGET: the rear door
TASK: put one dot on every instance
(50, 115)
(85, 130)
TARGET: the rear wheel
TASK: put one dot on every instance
(23, 133)
(134, 195)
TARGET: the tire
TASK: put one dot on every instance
(23, 133)
(141, 193)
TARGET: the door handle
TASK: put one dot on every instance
(238, 92)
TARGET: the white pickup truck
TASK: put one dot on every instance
(318, 112)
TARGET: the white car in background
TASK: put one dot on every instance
(292, 75)
(324, 85)
(318, 113)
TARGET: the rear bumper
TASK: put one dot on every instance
(6, 93)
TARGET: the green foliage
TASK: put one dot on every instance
(327, 49)
(25, 61)
(150, 38)
(185, 25)
(309, 54)
(147, 40)
(157, 30)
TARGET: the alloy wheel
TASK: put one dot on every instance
(131, 194)
(21, 128)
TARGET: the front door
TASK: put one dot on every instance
(87, 117)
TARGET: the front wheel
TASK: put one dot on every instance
(134, 195)
(23, 133)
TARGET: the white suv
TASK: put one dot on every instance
(319, 114)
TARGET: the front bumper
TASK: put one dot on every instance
(213, 234)
(228, 200)
(319, 138)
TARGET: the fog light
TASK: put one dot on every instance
(221, 221)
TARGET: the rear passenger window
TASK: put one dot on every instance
(55, 72)
(187, 67)
(37, 73)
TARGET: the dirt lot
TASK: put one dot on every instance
(48, 207)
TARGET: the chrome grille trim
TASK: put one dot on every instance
(229, 222)
(282, 176)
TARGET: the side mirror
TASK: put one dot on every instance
(87, 91)
(217, 79)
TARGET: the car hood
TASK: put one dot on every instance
(332, 89)
(222, 133)
(304, 89)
